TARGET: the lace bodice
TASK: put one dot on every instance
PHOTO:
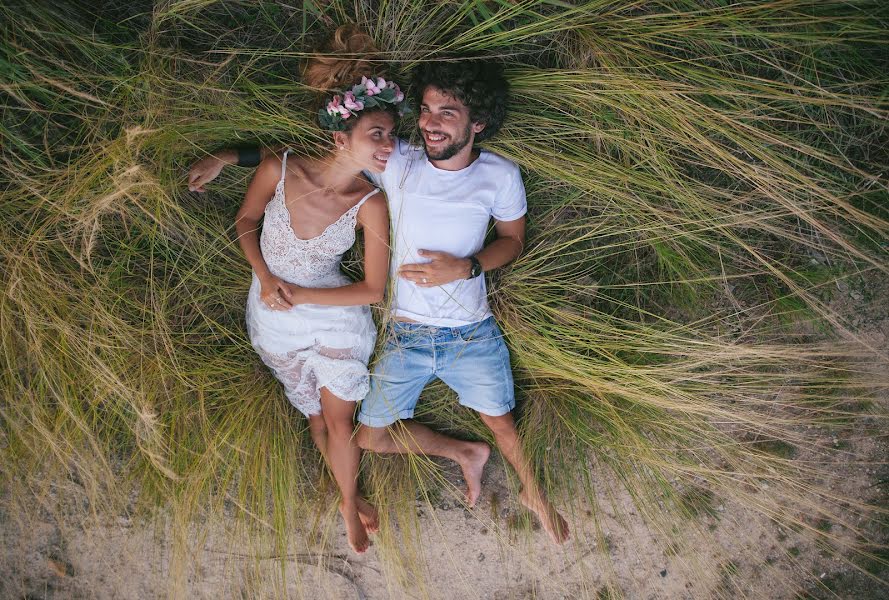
(310, 262)
(310, 346)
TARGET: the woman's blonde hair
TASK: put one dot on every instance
(346, 58)
(343, 61)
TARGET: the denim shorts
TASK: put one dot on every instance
(472, 360)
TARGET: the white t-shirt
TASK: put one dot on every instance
(448, 211)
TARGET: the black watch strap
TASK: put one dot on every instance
(249, 156)
(475, 269)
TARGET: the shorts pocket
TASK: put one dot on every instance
(477, 332)
(407, 340)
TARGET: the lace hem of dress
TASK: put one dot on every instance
(305, 372)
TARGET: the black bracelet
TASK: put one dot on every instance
(249, 156)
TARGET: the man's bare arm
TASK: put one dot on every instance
(444, 268)
(208, 168)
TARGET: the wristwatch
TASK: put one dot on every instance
(475, 269)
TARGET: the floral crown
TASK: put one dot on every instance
(367, 94)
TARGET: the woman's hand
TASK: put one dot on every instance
(208, 168)
(276, 293)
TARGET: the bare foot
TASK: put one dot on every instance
(355, 531)
(552, 521)
(473, 465)
(368, 515)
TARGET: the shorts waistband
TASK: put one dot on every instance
(406, 327)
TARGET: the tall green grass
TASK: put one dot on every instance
(702, 176)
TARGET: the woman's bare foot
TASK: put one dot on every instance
(368, 514)
(472, 462)
(355, 531)
(552, 521)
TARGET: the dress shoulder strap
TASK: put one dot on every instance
(368, 195)
(284, 165)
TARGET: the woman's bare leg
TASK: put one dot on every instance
(367, 512)
(318, 431)
(343, 455)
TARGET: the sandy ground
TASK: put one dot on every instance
(491, 552)
(463, 554)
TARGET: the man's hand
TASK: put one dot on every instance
(298, 294)
(443, 268)
(208, 168)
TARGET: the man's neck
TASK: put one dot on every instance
(459, 161)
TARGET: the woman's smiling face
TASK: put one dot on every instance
(371, 140)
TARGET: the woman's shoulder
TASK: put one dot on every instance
(280, 163)
(297, 165)
(374, 201)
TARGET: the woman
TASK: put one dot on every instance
(310, 325)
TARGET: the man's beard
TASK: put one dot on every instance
(451, 150)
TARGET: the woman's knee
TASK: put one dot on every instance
(340, 426)
(317, 426)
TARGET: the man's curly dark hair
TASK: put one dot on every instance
(479, 84)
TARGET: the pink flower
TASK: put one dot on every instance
(333, 107)
(351, 103)
(399, 96)
(344, 112)
(372, 88)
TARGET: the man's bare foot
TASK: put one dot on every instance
(472, 462)
(368, 514)
(355, 531)
(552, 521)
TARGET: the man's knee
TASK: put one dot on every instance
(372, 438)
(500, 426)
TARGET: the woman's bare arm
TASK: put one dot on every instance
(275, 292)
(374, 218)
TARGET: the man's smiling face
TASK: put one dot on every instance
(445, 125)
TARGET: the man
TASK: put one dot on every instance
(441, 199)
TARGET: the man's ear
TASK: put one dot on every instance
(478, 126)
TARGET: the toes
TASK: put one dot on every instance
(370, 524)
(369, 516)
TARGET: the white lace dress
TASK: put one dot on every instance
(310, 346)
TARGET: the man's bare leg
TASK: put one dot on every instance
(509, 444)
(410, 437)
